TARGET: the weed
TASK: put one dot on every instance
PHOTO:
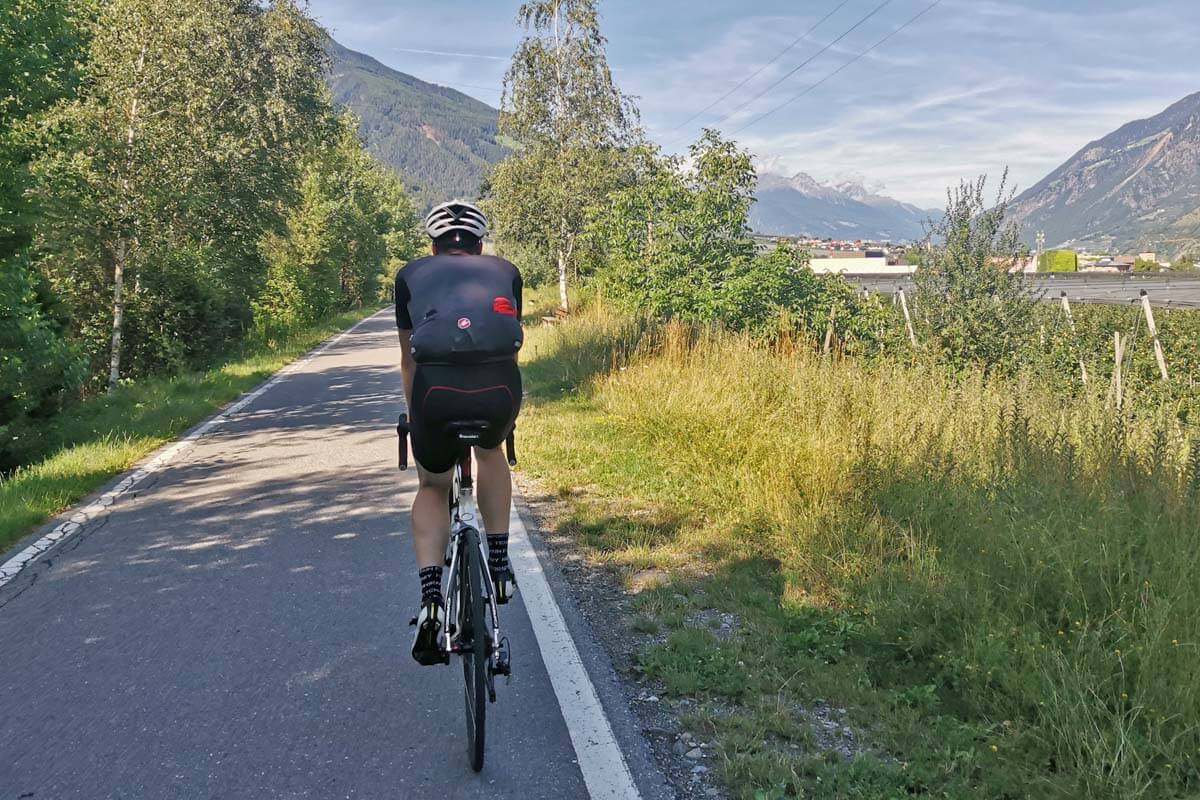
(996, 579)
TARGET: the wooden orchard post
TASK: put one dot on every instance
(1118, 357)
(912, 337)
(1066, 304)
(1158, 350)
(829, 330)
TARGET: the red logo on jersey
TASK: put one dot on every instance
(502, 305)
(463, 323)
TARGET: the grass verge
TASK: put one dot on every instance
(922, 586)
(105, 436)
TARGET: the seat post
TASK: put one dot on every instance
(466, 464)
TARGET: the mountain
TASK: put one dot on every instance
(801, 206)
(440, 141)
(1136, 189)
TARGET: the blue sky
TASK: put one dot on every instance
(971, 87)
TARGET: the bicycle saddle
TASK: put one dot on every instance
(468, 430)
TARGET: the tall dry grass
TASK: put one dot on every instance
(1036, 557)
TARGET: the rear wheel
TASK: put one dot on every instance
(474, 639)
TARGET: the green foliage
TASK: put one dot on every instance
(38, 369)
(1058, 261)
(673, 238)
(1145, 265)
(352, 228)
(994, 581)
(971, 308)
(40, 42)
(676, 244)
(1184, 264)
(157, 183)
(572, 125)
(1055, 351)
(171, 175)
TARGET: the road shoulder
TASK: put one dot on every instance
(597, 611)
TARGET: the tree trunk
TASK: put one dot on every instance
(121, 252)
(562, 281)
(560, 135)
(114, 364)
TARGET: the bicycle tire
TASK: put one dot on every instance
(475, 646)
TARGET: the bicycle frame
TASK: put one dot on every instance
(463, 503)
(463, 516)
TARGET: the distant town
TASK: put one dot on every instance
(862, 256)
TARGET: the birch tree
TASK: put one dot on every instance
(160, 179)
(571, 123)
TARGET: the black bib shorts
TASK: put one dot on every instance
(445, 393)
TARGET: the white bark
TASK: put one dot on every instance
(114, 364)
(562, 281)
(121, 251)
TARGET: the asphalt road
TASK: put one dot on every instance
(239, 629)
(1163, 290)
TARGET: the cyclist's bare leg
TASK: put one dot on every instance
(494, 489)
(431, 517)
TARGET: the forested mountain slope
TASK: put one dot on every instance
(441, 141)
(1138, 188)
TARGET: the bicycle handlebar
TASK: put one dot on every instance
(402, 435)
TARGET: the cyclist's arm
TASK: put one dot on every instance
(404, 325)
(408, 367)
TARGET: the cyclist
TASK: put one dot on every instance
(459, 316)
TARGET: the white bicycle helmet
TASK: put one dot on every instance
(456, 215)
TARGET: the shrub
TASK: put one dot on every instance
(38, 369)
(971, 307)
(1058, 261)
(677, 246)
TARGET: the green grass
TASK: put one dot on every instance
(90, 443)
(995, 581)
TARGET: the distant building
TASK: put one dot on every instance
(860, 264)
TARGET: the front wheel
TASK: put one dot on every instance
(474, 641)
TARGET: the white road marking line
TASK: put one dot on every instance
(600, 758)
(74, 519)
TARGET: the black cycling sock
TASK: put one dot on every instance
(497, 550)
(431, 585)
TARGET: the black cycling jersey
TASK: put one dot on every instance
(462, 309)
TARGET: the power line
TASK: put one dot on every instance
(808, 89)
(809, 60)
(759, 71)
(450, 54)
(469, 86)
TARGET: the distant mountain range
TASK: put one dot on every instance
(1136, 189)
(802, 206)
(439, 140)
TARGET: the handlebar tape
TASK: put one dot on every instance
(402, 435)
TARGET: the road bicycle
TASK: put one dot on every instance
(473, 621)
